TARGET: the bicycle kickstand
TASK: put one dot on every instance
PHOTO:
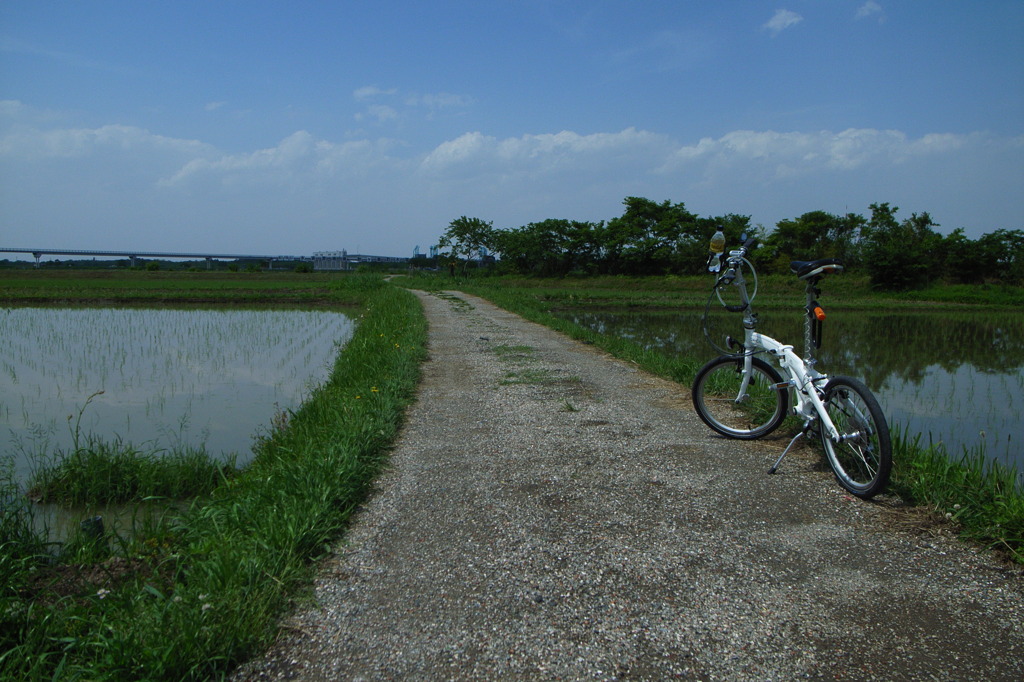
(775, 467)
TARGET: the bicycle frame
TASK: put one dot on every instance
(802, 377)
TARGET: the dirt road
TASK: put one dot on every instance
(553, 513)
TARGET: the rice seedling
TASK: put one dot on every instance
(169, 378)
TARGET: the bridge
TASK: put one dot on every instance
(322, 260)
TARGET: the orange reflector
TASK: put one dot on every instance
(819, 313)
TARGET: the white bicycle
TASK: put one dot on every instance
(741, 395)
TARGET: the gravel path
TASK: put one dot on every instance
(553, 513)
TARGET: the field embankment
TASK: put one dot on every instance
(133, 287)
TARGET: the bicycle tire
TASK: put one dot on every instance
(862, 462)
(756, 413)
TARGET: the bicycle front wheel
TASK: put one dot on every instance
(862, 459)
(737, 404)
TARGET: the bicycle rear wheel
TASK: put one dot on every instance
(862, 460)
(738, 410)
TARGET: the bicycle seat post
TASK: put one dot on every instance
(812, 272)
(812, 293)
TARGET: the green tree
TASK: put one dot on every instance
(962, 259)
(901, 255)
(465, 237)
(693, 249)
(1002, 253)
(814, 235)
(648, 237)
(553, 247)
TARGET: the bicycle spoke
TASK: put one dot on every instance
(861, 456)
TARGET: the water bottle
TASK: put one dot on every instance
(717, 247)
(718, 242)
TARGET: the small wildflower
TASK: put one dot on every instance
(207, 606)
(374, 390)
(358, 397)
(397, 345)
(103, 593)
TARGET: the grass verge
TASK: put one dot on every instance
(983, 499)
(189, 597)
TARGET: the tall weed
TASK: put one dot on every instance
(985, 499)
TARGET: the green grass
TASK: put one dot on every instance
(537, 307)
(672, 291)
(983, 499)
(190, 596)
(27, 287)
(105, 472)
(970, 294)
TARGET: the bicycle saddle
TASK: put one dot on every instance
(806, 269)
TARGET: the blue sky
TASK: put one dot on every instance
(294, 127)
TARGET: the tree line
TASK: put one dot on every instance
(651, 238)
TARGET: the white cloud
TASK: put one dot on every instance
(870, 9)
(382, 113)
(441, 100)
(460, 150)
(21, 47)
(782, 20)
(214, 106)
(118, 185)
(29, 143)
(475, 153)
(296, 160)
(774, 155)
(377, 112)
(371, 92)
(11, 108)
(666, 50)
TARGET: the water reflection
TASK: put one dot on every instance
(169, 377)
(955, 377)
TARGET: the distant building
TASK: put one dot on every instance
(343, 260)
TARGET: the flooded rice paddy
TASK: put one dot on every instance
(169, 378)
(955, 377)
(216, 377)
